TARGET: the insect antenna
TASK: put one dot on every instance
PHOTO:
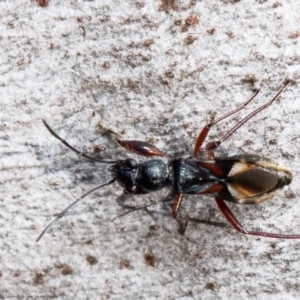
(72, 204)
(75, 150)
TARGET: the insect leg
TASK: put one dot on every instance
(204, 132)
(233, 221)
(176, 204)
(214, 145)
(141, 148)
(175, 208)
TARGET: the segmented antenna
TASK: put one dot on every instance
(71, 205)
(75, 150)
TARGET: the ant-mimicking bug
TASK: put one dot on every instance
(240, 178)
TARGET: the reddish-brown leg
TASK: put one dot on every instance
(233, 221)
(175, 208)
(176, 204)
(141, 148)
(211, 146)
(204, 132)
(216, 188)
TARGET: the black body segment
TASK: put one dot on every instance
(242, 180)
(153, 175)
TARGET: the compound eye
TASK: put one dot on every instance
(131, 163)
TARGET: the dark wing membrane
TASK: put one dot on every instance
(251, 178)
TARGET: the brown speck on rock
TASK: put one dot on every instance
(210, 286)
(66, 270)
(190, 39)
(39, 278)
(276, 4)
(211, 31)
(148, 42)
(250, 78)
(167, 5)
(140, 4)
(125, 264)
(294, 35)
(273, 142)
(42, 3)
(106, 65)
(192, 20)
(149, 259)
(169, 74)
(92, 260)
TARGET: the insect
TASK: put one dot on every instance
(239, 178)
